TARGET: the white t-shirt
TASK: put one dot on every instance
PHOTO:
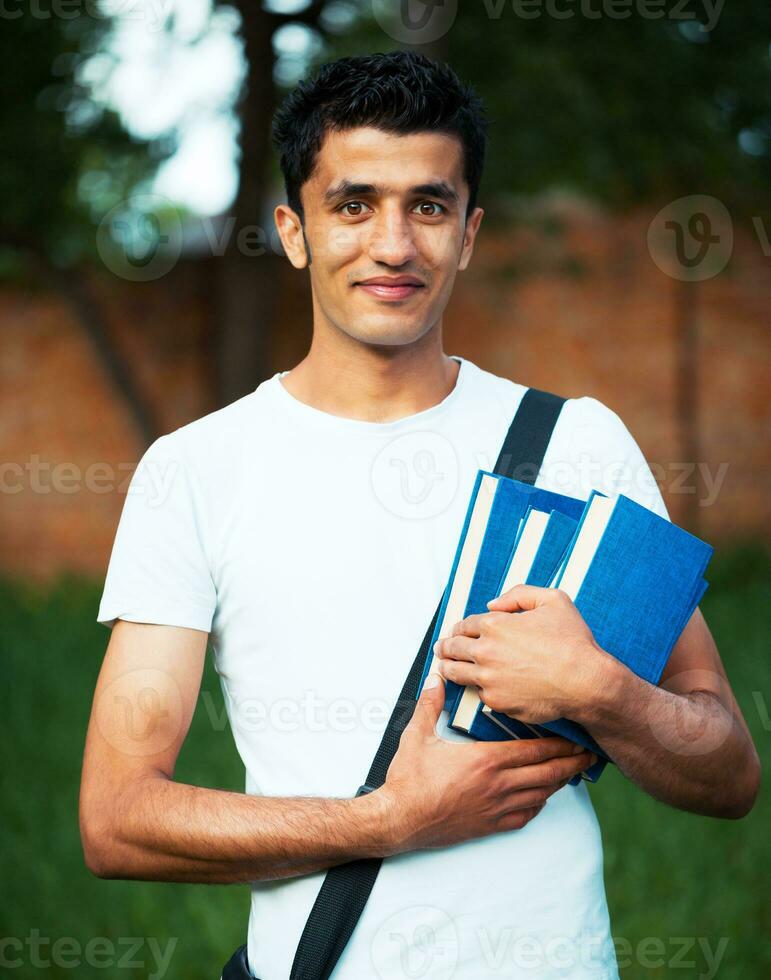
(315, 548)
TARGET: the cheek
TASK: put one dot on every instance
(334, 245)
(439, 249)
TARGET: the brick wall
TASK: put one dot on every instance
(581, 312)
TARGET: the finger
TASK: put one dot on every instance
(513, 795)
(521, 597)
(516, 798)
(459, 672)
(470, 626)
(429, 705)
(457, 648)
(527, 751)
(517, 819)
(550, 773)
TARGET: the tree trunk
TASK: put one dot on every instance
(687, 393)
(245, 296)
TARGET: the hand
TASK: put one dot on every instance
(537, 665)
(439, 792)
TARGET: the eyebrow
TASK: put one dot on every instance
(348, 188)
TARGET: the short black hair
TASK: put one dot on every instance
(399, 92)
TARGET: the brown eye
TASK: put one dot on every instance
(430, 204)
(352, 204)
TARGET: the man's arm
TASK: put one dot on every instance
(136, 822)
(684, 742)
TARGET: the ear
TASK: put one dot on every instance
(469, 236)
(290, 232)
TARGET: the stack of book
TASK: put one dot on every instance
(634, 576)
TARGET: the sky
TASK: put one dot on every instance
(178, 64)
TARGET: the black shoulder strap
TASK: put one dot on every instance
(346, 887)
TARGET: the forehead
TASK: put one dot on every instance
(369, 155)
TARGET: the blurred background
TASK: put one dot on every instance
(624, 254)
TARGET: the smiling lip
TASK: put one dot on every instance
(399, 287)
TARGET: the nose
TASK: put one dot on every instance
(391, 237)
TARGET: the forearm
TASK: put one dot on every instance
(161, 830)
(684, 749)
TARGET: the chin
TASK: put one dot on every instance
(389, 327)
(387, 336)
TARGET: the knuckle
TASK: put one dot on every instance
(490, 653)
(541, 751)
(491, 699)
(527, 815)
(582, 759)
(487, 764)
(513, 821)
(551, 773)
(496, 784)
(481, 652)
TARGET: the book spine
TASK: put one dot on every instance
(557, 578)
(448, 587)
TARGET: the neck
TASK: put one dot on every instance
(373, 384)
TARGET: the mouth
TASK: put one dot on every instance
(398, 288)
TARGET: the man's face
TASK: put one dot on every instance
(383, 207)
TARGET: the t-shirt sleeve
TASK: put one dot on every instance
(608, 457)
(159, 570)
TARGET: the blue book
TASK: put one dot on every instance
(636, 579)
(554, 544)
(542, 571)
(540, 545)
(493, 516)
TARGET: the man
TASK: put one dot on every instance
(309, 527)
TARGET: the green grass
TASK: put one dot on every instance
(668, 874)
(673, 874)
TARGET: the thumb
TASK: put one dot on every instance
(519, 598)
(430, 703)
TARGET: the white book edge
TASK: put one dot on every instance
(472, 545)
(521, 563)
(489, 713)
(467, 706)
(527, 546)
(589, 537)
